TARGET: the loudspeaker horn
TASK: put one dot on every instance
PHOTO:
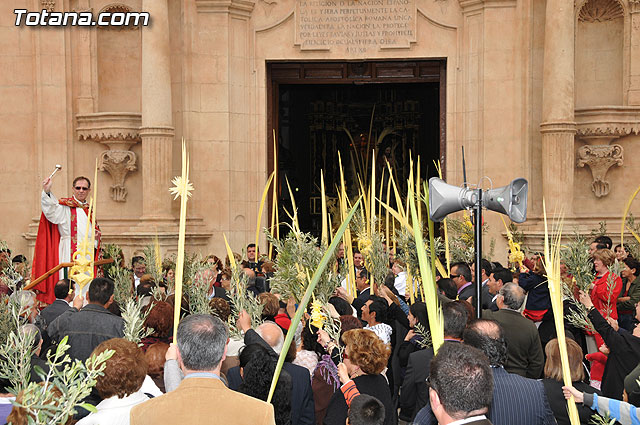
(509, 200)
(445, 198)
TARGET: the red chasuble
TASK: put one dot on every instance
(45, 256)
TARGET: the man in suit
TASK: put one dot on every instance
(461, 275)
(64, 292)
(415, 391)
(516, 400)
(64, 295)
(202, 398)
(362, 285)
(461, 385)
(270, 336)
(497, 280)
(524, 351)
(485, 271)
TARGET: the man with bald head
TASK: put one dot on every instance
(516, 400)
(270, 335)
(524, 350)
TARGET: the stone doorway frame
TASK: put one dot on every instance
(355, 72)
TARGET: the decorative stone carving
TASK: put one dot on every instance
(118, 8)
(117, 130)
(600, 11)
(117, 163)
(605, 123)
(48, 4)
(600, 158)
(268, 5)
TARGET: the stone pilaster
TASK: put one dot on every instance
(157, 127)
(156, 172)
(634, 56)
(558, 126)
(558, 166)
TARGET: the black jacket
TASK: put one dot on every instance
(361, 300)
(537, 289)
(414, 393)
(466, 293)
(558, 403)
(623, 358)
(86, 329)
(373, 385)
(52, 311)
(302, 404)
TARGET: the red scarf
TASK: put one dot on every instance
(73, 203)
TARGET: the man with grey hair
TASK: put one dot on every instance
(202, 346)
(524, 350)
(271, 337)
(25, 301)
(271, 333)
(33, 334)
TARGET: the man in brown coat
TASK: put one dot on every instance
(202, 398)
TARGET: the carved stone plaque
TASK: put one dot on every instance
(355, 26)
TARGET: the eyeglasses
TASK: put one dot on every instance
(453, 276)
(81, 188)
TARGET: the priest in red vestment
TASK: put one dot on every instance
(62, 225)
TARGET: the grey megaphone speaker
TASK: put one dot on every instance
(509, 200)
(445, 198)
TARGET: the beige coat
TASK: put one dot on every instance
(200, 401)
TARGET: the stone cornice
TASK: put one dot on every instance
(475, 5)
(109, 127)
(558, 127)
(603, 121)
(157, 131)
(239, 8)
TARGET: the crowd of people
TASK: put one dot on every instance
(503, 368)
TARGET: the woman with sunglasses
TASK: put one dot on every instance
(363, 361)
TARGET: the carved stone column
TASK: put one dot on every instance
(157, 126)
(558, 127)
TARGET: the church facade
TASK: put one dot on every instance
(548, 91)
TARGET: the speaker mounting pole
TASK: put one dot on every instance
(477, 217)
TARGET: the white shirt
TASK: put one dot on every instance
(150, 387)
(346, 284)
(114, 410)
(467, 420)
(400, 283)
(383, 331)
